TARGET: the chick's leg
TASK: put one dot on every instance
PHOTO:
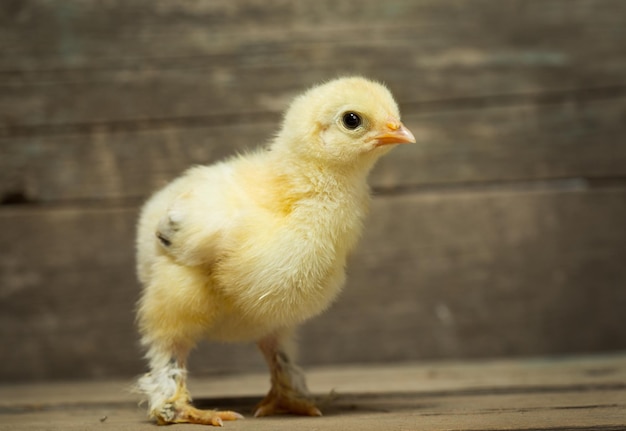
(169, 398)
(172, 315)
(288, 393)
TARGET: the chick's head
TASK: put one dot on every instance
(343, 122)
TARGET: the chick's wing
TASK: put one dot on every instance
(193, 214)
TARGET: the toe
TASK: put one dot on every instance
(296, 406)
(189, 414)
(314, 411)
(229, 416)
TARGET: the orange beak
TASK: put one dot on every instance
(396, 133)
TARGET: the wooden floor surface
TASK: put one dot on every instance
(581, 393)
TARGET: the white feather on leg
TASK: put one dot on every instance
(166, 378)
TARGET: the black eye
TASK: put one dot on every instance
(351, 120)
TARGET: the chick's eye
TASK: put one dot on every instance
(351, 120)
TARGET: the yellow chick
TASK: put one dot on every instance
(249, 248)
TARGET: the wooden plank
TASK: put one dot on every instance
(447, 275)
(116, 165)
(41, 35)
(493, 274)
(516, 143)
(85, 62)
(69, 275)
(573, 393)
(352, 413)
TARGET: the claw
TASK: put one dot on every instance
(188, 414)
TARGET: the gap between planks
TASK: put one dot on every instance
(508, 187)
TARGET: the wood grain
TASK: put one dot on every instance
(500, 233)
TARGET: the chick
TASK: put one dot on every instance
(249, 248)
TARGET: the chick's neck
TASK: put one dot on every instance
(319, 176)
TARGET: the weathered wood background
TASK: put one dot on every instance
(501, 233)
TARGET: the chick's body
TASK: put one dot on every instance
(277, 250)
(248, 248)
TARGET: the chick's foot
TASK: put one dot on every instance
(173, 413)
(276, 404)
(289, 393)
